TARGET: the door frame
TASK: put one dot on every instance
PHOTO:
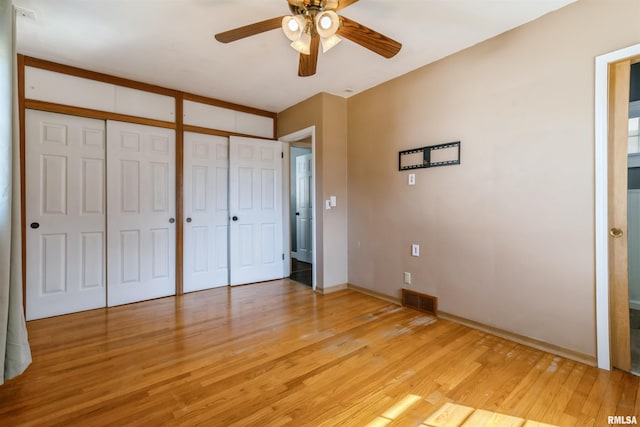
(603, 326)
(305, 133)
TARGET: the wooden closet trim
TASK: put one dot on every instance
(216, 132)
(23, 179)
(95, 114)
(185, 96)
(178, 126)
(228, 105)
(179, 270)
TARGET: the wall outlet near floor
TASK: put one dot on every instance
(415, 250)
(407, 278)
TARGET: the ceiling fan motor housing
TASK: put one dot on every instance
(311, 7)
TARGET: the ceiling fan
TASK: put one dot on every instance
(315, 22)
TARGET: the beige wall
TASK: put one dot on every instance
(507, 237)
(329, 116)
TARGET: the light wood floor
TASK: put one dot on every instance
(278, 354)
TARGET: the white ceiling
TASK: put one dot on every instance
(170, 42)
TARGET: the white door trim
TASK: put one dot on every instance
(309, 132)
(602, 196)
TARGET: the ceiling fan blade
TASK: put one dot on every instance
(308, 63)
(366, 37)
(249, 30)
(344, 3)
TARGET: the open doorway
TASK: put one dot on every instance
(615, 258)
(633, 212)
(301, 213)
(301, 205)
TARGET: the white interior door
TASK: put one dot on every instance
(65, 212)
(255, 208)
(303, 208)
(140, 212)
(206, 211)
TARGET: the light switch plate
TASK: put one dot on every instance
(415, 250)
(334, 201)
(327, 204)
(412, 179)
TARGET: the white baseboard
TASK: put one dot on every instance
(520, 339)
(375, 294)
(634, 304)
(332, 289)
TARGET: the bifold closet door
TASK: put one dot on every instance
(65, 213)
(140, 212)
(206, 211)
(255, 208)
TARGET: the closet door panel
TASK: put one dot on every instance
(205, 211)
(255, 197)
(141, 212)
(65, 210)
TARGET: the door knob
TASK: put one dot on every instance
(235, 218)
(172, 220)
(616, 232)
(188, 219)
(297, 213)
(34, 225)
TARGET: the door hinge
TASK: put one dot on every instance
(283, 257)
(282, 154)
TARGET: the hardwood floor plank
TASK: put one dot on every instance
(555, 413)
(449, 415)
(279, 354)
(628, 396)
(492, 419)
(548, 393)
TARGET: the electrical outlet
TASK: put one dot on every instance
(407, 278)
(415, 250)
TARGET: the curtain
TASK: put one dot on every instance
(15, 354)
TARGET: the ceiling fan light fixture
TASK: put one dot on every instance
(327, 23)
(312, 22)
(329, 42)
(303, 44)
(293, 26)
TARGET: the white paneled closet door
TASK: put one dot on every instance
(255, 208)
(304, 216)
(140, 212)
(65, 213)
(206, 211)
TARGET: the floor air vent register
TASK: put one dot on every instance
(422, 302)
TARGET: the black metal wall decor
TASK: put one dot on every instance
(429, 157)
